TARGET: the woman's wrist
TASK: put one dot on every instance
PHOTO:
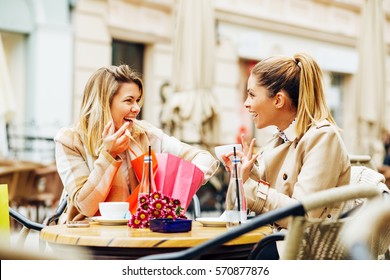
(114, 155)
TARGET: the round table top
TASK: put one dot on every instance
(98, 235)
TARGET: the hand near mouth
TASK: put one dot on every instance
(128, 134)
(115, 142)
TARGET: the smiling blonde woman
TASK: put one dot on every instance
(94, 156)
(307, 153)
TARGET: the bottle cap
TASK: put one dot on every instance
(236, 160)
(147, 158)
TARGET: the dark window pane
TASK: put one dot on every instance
(128, 53)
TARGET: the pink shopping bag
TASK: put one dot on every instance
(177, 178)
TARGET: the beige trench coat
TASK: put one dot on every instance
(295, 169)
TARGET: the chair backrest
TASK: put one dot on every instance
(364, 174)
(314, 238)
(368, 235)
(362, 160)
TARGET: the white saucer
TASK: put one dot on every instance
(109, 222)
(211, 222)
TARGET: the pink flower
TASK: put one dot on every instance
(170, 215)
(167, 199)
(156, 195)
(155, 213)
(176, 202)
(144, 206)
(143, 215)
(134, 222)
(156, 205)
(143, 199)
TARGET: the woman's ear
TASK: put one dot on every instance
(280, 99)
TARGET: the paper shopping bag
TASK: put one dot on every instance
(137, 165)
(177, 178)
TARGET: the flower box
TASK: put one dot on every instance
(170, 225)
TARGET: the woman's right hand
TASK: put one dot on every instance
(115, 142)
(247, 158)
(250, 158)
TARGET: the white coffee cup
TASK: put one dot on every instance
(113, 210)
(224, 149)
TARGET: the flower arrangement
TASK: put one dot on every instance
(155, 205)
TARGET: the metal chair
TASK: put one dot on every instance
(19, 252)
(360, 174)
(28, 224)
(31, 185)
(196, 204)
(307, 238)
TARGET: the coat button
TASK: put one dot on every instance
(329, 216)
(285, 176)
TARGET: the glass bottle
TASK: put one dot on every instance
(235, 202)
(147, 184)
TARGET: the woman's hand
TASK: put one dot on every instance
(247, 158)
(115, 142)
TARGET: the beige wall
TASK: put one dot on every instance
(97, 23)
(328, 29)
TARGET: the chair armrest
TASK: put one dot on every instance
(60, 209)
(264, 243)
(295, 209)
(23, 220)
(196, 203)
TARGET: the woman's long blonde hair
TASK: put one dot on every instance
(301, 78)
(95, 110)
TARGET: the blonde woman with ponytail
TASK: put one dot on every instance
(307, 153)
(94, 156)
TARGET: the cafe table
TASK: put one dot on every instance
(122, 242)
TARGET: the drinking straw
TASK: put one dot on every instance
(237, 187)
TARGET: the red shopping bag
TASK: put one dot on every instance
(177, 178)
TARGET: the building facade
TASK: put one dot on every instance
(54, 46)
